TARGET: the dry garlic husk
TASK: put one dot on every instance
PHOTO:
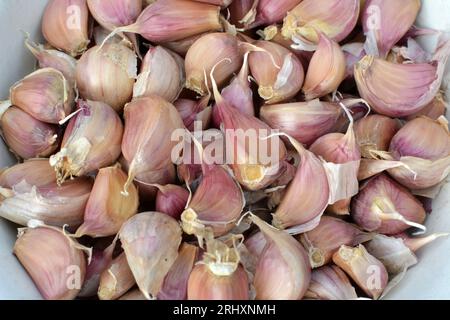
(107, 208)
(304, 121)
(150, 241)
(367, 271)
(171, 200)
(116, 280)
(176, 281)
(330, 283)
(65, 25)
(194, 110)
(342, 159)
(335, 18)
(323, 241)
(173, 20)
(264, 12)
(219, 276)
(50, 58)
(29, 192)
(277, 71)
(326, 70)
(374, 133)
(220, 47)
(238, 94)
(53, 260)
(416, 243)
(249, 169)
(107, 73)
(162, 73)
(399, 90)
(385, 22)
(434, 110)
(85, 147)
(283, 270)
(306, 197)
(147, 146)
(386, 207)
(26, 136)
(44, 94)
(115, 13)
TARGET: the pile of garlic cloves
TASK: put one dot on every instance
(109, 207)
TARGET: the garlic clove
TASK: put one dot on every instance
(26, 136)
(323, 241)
(434, 110)
(171, 200)
(330, 283)
(116, 280)
(367, 271)
(283, 271)
(239, 12)
(256, 243)
(162, 73)
(353, 52)
(268, 12)
(192, 111)
(99, 65)
(52, 260)
(176, 282)
(44, 94)
(107, 209)
(326, 70)
(182, 46)
(36, 172)
(116, 13)
(416, 243)
(134, 295)
(65, 25)
(150, 241)
(85, 147)
(277, 71)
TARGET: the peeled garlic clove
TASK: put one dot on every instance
(65, 25)
(330, 283)
(219, 276)
(323, 241)
(326, 70)
(386, 22)
(367, 271)
(44, 94)
(26, 136)
(107, 209)
(197, 63)
(268, 12)
(172, 20)
(48, 58)
(116, 280)
(116, 13)
(192, 111)
(283, 271)
(53, 261)
(161, 73)
(386, 207)
(434, 110)
(147, 146)
(99, 65)
(171, 199)
(150, 241)
(85, 148)
(37, 172)
(374, 133)
(380, 82)
(335, 18)
(176, 282)
(277, 71)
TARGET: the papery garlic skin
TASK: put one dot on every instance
(107, 208)
(280, 82)
(150, 241)
(107, 73)
(26, 136)
(162, 73)
(85, 147)
(65, 25)
(335, 18)
(52, 261)
(44, 94)
(379, 200)
(116, 280)
(220, 47)
(330, 283)
(115, 13)
(367, 271)
(385, 22)
(326, 70)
